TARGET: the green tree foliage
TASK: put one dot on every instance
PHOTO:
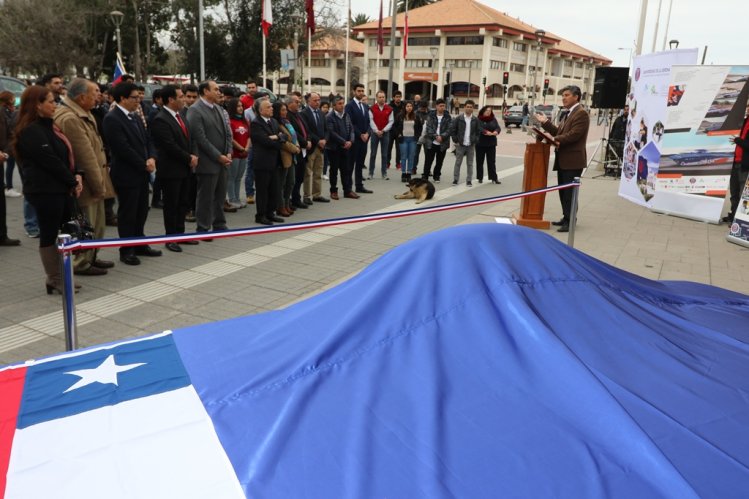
(360, 19)
(413, 4)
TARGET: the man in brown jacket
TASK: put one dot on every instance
(74, 118)
(570, 139)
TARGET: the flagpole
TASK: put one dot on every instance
(264, 85)
(348, 35)
(392, 49)
(201, 41)
(309, 59)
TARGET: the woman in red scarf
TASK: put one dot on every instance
(49, 177)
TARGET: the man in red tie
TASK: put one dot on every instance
(177, 159)
(740, 169)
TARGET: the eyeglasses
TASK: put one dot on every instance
(134, 97)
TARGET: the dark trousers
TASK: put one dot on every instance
(736, 185)
(299, 170)
(192, 191)
(157, 191)
(132, 211)
(209, 205)
(490, 153)
(565, 195)
(338, 164)
(416, 156)
(397, 152)
(174, 196)
(52, 210)
(267, 193)
(357, 153)
(3, 222)
(430, 154)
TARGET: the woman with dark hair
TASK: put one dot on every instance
(487, 145)
(49, 177)
(240, 139)
(288, 158)
(406, 130)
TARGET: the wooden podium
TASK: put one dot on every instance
(536, 169)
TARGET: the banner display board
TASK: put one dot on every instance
(649, 93)
(705, 108)
(739, 232)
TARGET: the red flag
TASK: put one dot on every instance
(309, 7)
(380, 37)
(267, 19)
(405, 34)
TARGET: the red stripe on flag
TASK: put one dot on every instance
(11, 389)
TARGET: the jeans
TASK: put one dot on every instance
(460, 152)
(234, 178)
(10, 164)
(249, 178)
(408, 150)
(383, 143)
(430, 154)
(30, 220)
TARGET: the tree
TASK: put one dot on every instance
(414, 4)
(360, 19)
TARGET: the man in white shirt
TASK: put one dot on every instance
(465, 134)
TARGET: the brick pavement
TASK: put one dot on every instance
(247, 275)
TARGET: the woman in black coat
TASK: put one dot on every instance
(49, 177)
(487, 145)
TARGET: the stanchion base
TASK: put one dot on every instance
(532, 222)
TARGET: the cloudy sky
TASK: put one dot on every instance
(605, 26)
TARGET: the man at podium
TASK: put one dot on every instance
(570, 137)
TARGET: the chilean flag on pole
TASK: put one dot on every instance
(267, 20)
(119, 70)
(405, 34)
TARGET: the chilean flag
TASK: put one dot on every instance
(267, 20)
(119, 70)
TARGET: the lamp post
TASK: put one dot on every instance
(435, 52)
(470, 68)
(673, 44)
(116, 16)
(452, 77)
(539, 35)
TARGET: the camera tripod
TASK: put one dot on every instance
(606, 153)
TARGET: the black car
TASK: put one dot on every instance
(514, 116)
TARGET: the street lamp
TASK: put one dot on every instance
(539, 35)
(673, 44)
(470, 67)
(116, 16)
(435, 52)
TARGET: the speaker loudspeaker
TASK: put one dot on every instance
(610, 88)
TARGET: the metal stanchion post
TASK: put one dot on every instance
(68, 293)
(573, 214)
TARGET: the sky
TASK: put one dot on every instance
(610, 27)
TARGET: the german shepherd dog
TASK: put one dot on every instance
(418, 188)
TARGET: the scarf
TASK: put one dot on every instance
(61, 136)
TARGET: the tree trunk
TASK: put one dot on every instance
(138, 69)
(147, 22)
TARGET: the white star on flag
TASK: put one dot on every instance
(105, 373)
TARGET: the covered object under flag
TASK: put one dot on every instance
(481, 361)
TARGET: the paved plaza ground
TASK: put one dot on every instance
(233, 277)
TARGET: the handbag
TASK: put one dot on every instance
(78, 227)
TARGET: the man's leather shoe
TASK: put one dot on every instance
(564, 228)
(283, 212)
(229, 209)
(102, 264)
(111, 222)
(334, 195)
(727, 219)
(90, 271)
(562, 221)
(157, 204)
(130, 259)
(320, 199)
(147, 251)
(351, 195)
(190, 217)
(191, 243)
(263, 221)
(308, 201)
(299, 204)
(173, 247)
(276, 219)
(6, 241)
(364, 191)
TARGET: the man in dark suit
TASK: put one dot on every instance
(267, 143)
(307, 143)
(177, 156)
(358, 112)
(570, 139)
(132, 161)
(313, 173)
(339, 138)
(212, 136)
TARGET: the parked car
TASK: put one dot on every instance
(514, 116)
(150, 87)
(12, 85)
(547, 109)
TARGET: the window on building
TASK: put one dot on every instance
(464, 63)
(340, 64)
(520, 47)
(414, 41)
(499, 42)
(320, 63)
(497, 65)
(465, 40)
(386, 42)
(419, 63)
(579, 65)
(518, 68)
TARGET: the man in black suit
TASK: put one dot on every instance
(358, 112)
(177, 155)
(132, 161)
(267, 144)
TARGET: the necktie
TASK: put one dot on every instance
(181, 124)
(563, 117)
(361, 107)
(317, 118)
